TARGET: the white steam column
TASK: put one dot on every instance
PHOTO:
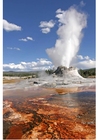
(71, 24)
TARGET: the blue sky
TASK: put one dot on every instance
(30, 27)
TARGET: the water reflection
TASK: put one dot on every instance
(49, 114)
(82, 104)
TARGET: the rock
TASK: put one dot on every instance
(35, 82)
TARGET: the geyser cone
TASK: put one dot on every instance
(70, 72)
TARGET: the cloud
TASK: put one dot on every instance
(82, 4)
(7, 26)
(26, 39)
(29, 38)
(43, 64)
(45, 30)
(87, 57)
(18, 49)
(46, 26)
(40, 64)
(80, 57)
(23, 39)
(86, 64)
(43, 61)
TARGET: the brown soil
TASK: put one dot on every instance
(5, 81)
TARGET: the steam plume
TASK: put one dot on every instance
(71, 23)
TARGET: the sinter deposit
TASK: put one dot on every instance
(62, 77)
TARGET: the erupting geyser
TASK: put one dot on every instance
(71, 24)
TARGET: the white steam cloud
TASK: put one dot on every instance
(71, 24)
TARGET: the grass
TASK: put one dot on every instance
(92, 76)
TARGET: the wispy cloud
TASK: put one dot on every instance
(26, 39)
(18, 49)
(23, 39)
(7, 26)
(82, 4)
(46, 26)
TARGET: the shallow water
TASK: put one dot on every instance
(83, 101)
(52, 113)
(74, 99)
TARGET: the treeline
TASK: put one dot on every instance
(50, 71)
(88, 72)
(84, 73)
(20, 74)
